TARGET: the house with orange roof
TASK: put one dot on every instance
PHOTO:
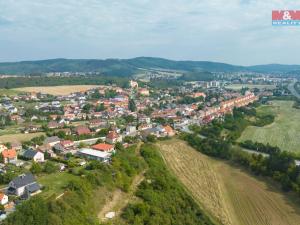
(169, 131)
(9, 155)
(103, 147)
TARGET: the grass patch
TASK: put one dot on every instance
(55, 183)
(19, 137)
(284, 132)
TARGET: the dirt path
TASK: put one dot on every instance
(119, 199)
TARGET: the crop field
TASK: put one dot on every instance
(285, 130)
(19, 137)
(57, 90)
(228, 194)
(250, 86)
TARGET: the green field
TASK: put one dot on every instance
(284, 132)
(54, 184)
(250, 86)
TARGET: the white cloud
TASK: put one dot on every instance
(234, 31)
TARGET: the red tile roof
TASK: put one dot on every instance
(82, 130)
(112, 135)
(9, 153)
(103, 147)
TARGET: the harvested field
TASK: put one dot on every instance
(57, 90)
(229, 194)
(19, 137)
(250, 86)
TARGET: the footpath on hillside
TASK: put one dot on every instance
(119, 199)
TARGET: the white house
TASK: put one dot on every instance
(3, 199)
(94, 154)
(23, 184)
(36, 156)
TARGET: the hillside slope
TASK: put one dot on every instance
(226, 192)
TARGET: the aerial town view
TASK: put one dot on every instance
(149, 112)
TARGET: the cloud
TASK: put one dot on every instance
(234, 31)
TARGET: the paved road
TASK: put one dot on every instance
(292, 89)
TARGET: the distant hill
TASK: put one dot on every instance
(128, 67)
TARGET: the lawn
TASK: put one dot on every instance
(285, 130)
(250, 86)
(229, 194)
(57, 90)
(19, 137)
(55, 183)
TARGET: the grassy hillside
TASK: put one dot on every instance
(284, 132)
(229, 194)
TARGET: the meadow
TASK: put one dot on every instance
(250, 86)
(283, 132)
(19, 137)
(57, 90)
(227, 193)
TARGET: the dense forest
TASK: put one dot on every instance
(128, 67)
(37, 81)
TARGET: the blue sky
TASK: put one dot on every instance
(231, 31)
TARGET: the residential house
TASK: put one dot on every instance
(82, 130)
(95, 155)
(131, 130)
(23, 184)
(95, 123)
(9, 156)
(36, 156)
(3, 199)
(52, 140)
(55, 125)
(2, 147)
(16, 145)
(46, 148)
(103, 147)
(113, 137)
(169, 131)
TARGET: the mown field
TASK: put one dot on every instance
(227, 193)
(285, 130)
(8, 92)
(57, 90)
(250, 86)
(19, 137)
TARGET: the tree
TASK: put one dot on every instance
(131, 105)
(100, 107)
(119, 146)
(35, 168)
(50, 167)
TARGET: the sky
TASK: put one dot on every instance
(239, 32)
